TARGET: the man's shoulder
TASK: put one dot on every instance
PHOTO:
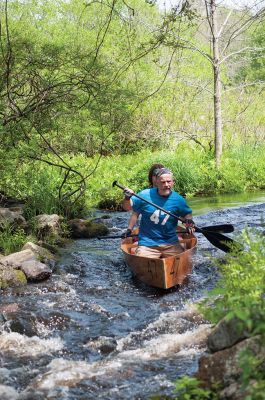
(146, 192)
(175, 193)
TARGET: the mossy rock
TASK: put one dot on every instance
(11, 277)
(80, 228)
(21, 277)
(3, 283)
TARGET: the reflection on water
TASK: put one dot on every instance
(203, 205)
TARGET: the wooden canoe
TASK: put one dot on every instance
(162, 273)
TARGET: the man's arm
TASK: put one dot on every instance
(127, 202)
(133, 219)
(132, 222)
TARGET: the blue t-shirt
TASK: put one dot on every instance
(157, 227)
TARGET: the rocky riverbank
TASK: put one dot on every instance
(35, 261)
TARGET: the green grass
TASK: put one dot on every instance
(195, 174)
(11, 240)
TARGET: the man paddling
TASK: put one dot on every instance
(157, 232)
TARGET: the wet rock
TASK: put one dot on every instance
(22, 325)
(223, 367)
(58, 287)
(105, 220)
(8, 393)
(9, 308)
(35, 270)
(103, 344)
(53, 249)
(55, 321)
(225, 334)
(2, 321)
(82, 228)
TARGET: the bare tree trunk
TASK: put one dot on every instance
(217, 85)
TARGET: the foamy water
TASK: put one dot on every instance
(22, 345)
(61, 372)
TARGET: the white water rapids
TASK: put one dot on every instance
(93, 331)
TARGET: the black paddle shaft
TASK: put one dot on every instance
(217, 239)
(115, 183)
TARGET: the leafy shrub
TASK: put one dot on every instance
(241, 289)
(188, 388)
(240, 295)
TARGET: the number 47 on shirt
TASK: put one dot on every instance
(155, 217)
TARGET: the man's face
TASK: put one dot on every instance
(164, 184)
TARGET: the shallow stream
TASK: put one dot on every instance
(92, 331)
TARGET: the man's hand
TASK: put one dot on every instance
(127, 193)
(189, 225)
(126, 234)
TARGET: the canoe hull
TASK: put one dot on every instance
(162, 273)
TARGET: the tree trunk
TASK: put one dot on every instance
(217, 86)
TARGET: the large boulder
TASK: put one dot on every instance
(226, 333)
(82, 228)
(223, 368)
(40, 252)
(15, 260)
(35, 270)
(26, 261)
(13, 217)
(49, 225)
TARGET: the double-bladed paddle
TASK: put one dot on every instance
(223, 228)
(219, 240)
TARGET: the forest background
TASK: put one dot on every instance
(99, 90)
